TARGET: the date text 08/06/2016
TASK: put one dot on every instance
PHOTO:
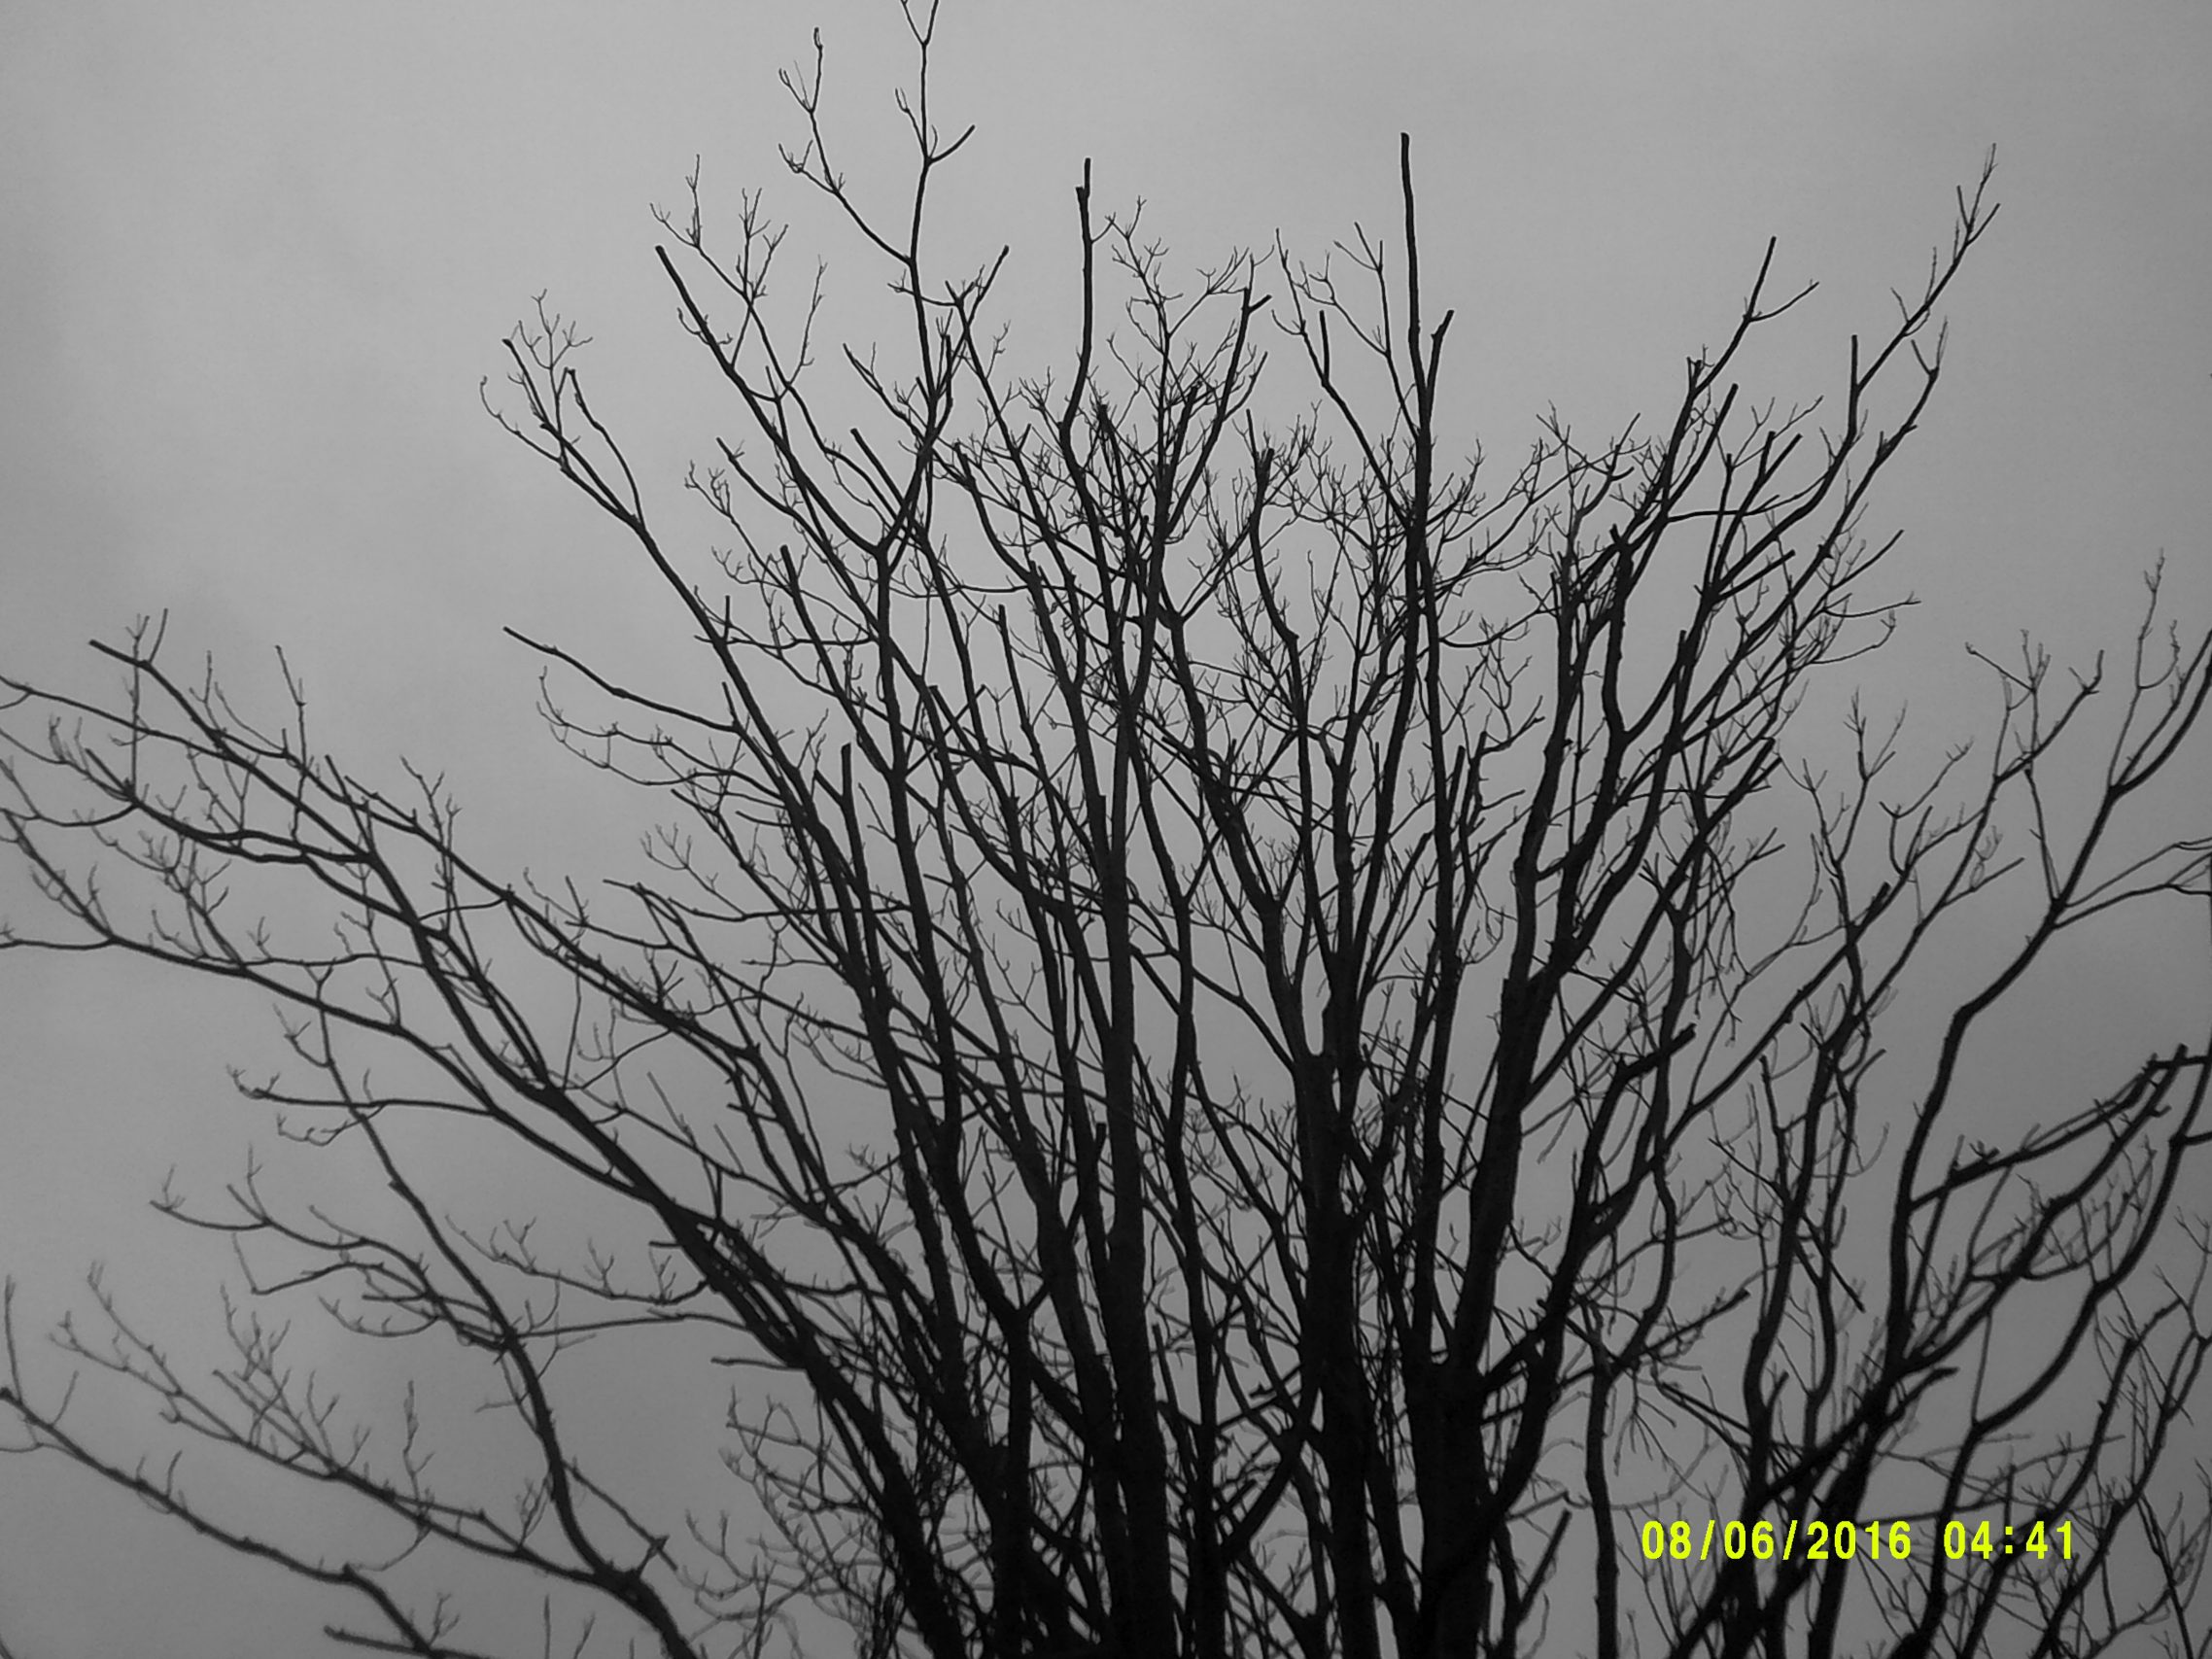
(1846, 1540)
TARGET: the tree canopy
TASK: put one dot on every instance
(1249, 1036)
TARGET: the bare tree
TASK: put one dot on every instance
(1255, 1042)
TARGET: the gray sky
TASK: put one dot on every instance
(255, 259)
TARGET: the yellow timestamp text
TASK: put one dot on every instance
(1683, 1539)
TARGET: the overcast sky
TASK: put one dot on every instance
(255, 259)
